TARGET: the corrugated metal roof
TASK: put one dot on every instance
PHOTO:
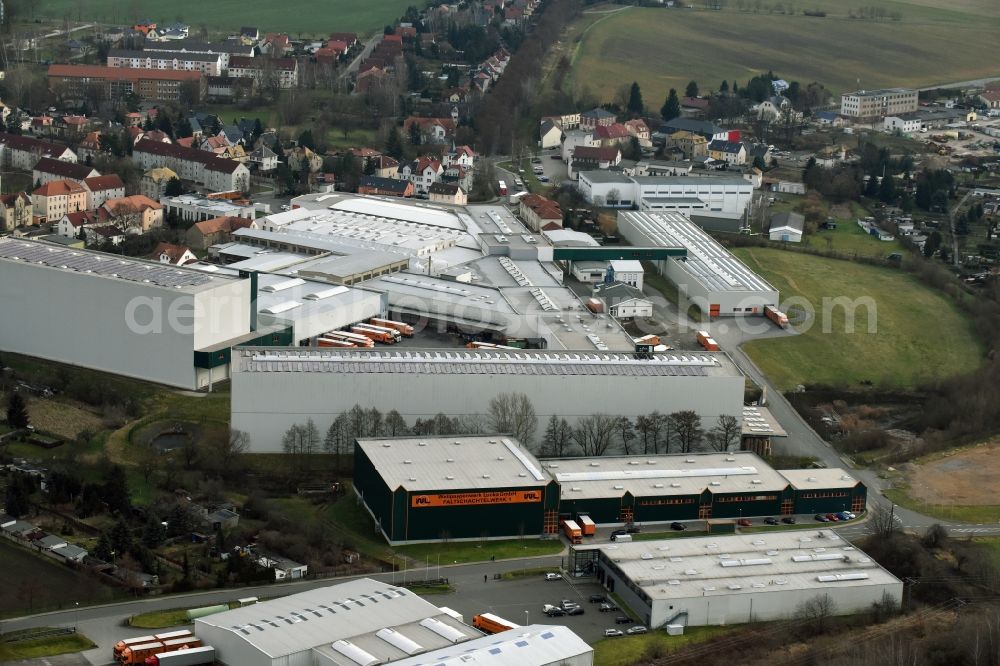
(343, 612)
(534, 645)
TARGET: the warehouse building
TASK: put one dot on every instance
(710, 276)
(715, 196)
(462, 487)
(365, 622)
(733, 579)
(489, 486)
(165, 324)
(332, 626)
(274, 389)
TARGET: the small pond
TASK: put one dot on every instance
(171, 440)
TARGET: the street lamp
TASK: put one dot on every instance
(76, 616)
(526, 621)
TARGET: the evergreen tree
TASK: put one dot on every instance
(102, 550)
(121, 538)
(174, 188)
(153, 533)
(724, 88)
(17, 412)
(635, 105)
(692, 89)
(887, 190)
(871, 187)
(16, 500)
(671, 107)
(306, 139)
(114, 492)
(394, 144)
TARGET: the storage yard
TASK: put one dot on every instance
(474, 487)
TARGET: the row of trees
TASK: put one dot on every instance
(513, 413)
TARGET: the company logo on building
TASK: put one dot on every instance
(477, 499)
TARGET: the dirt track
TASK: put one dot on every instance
(964, 478)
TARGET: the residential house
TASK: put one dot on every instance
(98, 235)
(565, 122)
(209, 64)
(175, 255)
(275, 44)
(215, 173)
(597, 117)
(78, 82)
(153, 183)
(422, 172)
(730, 152)
(302, 158)
(41, 125)
(991, 98)
(586, 158)
(640, 130)
(708, 130)
(786, 227)
(624, 301)
(136, 214)
(47, 541)
(448, 193)
(5, 112)
(539, 212)
(262, 159)
(774, 108)
(15, 211)
(388, 187)
(249, 35)
(349, 38)
(904, 123)
(549, 135)
(217, 230)
(227, 88)
(612, 135)
(222, 518)
(103, 188)
(463, 156)
(89, 147)
(284, 568)
(386, 167)
(224, 49)
(828, 119)
(282, 71)
(757, 151)
(694, 106)
(57, 198)
(431, 130)
(690, 144)
(575, 138)
(70, 553)
(23, 152)
(72, 224)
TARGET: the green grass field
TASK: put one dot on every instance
(633, 649)
(304, 17)
(460, 552)
(160, 619)
(933, 43)
(918, 334)
(44, 647)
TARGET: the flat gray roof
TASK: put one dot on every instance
(454, 463)
(345, 266)
(689, 180)
(644, 476)
(707, 261)
(298, 622)
(745, 563)
(482, 361)
(605, 177)
(760, 422)
(90, 263)
(534, 645)
(804, 479)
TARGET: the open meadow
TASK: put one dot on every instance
(931, 44)
(919, 334)
(302, 17)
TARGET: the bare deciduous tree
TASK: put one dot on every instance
(725, 434)
(685, 429)
(626, 433)
(558, 437)
(882, 520)
(513, 413)
(816, 612)
(594, 434)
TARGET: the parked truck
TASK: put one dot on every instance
(595, 305)
(476, 344)
(396, 335)
(358, 339)
(137, 654)
(154, 638)
(647, 340)
(326, 341)
(187, 657)
(492, 624)
(405, 329)
(572, 531)
(375, 334)
(706, 341)
(588, 526)
(776, 315)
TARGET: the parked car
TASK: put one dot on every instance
(832, 517)
(847, 515)
(555, 157)
(610, 633)
(788, 520)
(285, 207)
(771, 521)
(536, 160)
(607, 607)
(554, 611)
(615, 533)
(597, 599)
(553, 576)
(744, 522)
(621, 619)
(821, 518)
(638, 629)
(569, 603)
(678, 526)
(543, 179)
(575, 610)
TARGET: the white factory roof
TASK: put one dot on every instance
(368, 227)
(804, 479)
(451, 463)
(686, 474)
(626, 266)
(345, 612)
(282, 299)
(88, 263)
(707, 262)
(218, 207)
(745, 563)
(419, 213)
(483, 362)
(534, 645)
(570, 238)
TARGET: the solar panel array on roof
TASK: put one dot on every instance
(103, 265)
